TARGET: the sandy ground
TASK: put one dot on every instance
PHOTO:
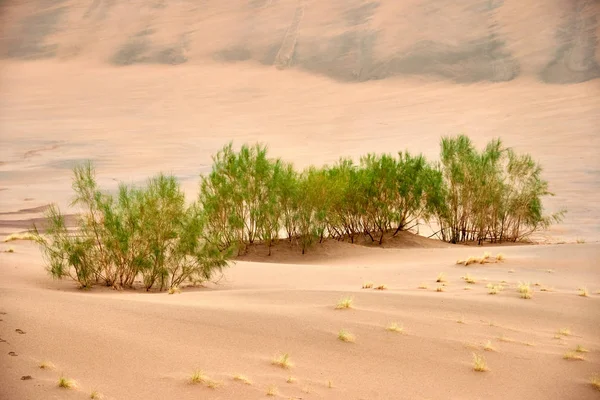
(140, 87)
(140, 346)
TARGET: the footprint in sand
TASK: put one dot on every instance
(20, 331)
(12, 353)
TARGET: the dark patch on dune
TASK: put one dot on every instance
(361, 13)
(139, 50)
(30, 41)
(33, 210)
(234, 54)
(345, 57)
(575, 58)
(481, 60)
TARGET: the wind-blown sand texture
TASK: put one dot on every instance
(146, 86)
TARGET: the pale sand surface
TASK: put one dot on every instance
(66, 96)
(139, 345)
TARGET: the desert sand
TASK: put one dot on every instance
(146, 86)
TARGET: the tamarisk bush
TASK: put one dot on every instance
(493, 195)
(147, 232)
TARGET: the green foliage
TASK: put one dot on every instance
(147, 232)
(493, 195)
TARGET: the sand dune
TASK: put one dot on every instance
(146, 86)
(139, 345)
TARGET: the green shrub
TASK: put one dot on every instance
(145, 231)
(493, 195)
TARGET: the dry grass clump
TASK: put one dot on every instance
(19, 236)
(272, 391)
(503, 338)
(595, 381)
(346, 336)
(494, 289)
(479, 363)
(380, 287)
(487, 258)
(525, 291)
(243, 379)
(345, 302)
(46, 365)
(564, 332)
(174, 289)
(198, 377)
(9, 250)
(423, 286)
(440, 289)
(441, 277)
(96, 395)
(469, 279)
(581, 349)
(367, 285)
(571, 355)
(583, 292)
(291, 379)
(282, 361)
(488, 346)
(394, 327)
(213, 384)
(66, 383)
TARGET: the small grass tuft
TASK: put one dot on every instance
(19, 236)
(488, 346)
(469, 279)
(272, 391)
(330, 384)
(394, 327)
(9, 250)
(174, 289)
(198, 377)
(291, 379)
(346, 336)
(344, 303)
(595, 382)
(486, 255)
(525, 291)
(479, 364)
(506, 339)
(461, 320)
(66, 383)
(441, 277)
(95, 395)
(494, 289)
(500, 257)
(467, 288)
(440, 289)
(423, 286)
(283, 361)
(213, 384)
(46, 365)
(243, 379)
(583, 292)
(571, 355)
(564, 332)
(367, 285)
(581, 349)
(380, 287)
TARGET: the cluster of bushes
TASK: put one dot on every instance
(494, 195)
(248, 197)
(150, 232)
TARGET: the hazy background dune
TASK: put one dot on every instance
(146, 86)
